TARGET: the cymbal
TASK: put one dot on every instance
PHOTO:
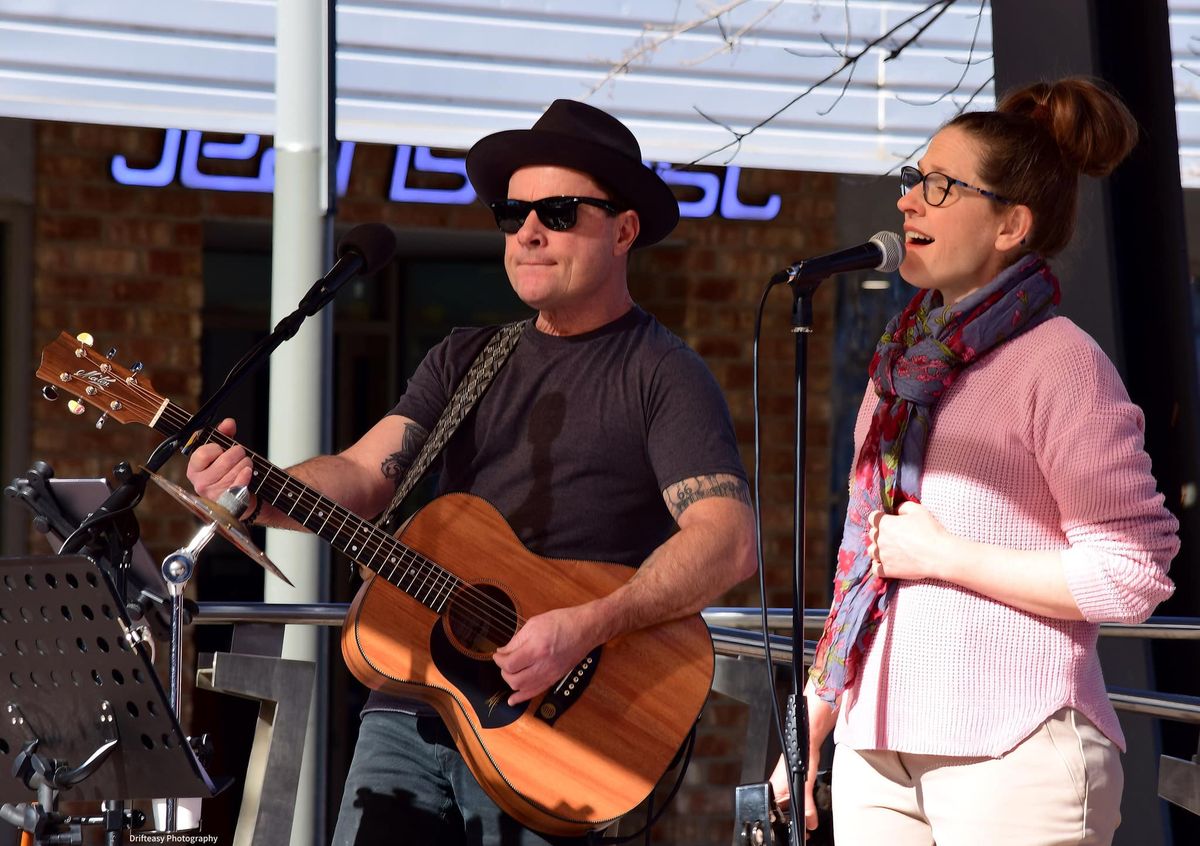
(226, 524)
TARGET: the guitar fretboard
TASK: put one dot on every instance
(364, 542)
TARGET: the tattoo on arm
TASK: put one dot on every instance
(396, 464)
(682, 494)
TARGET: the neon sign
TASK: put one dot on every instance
(184, 155)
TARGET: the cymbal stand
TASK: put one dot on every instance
(177, 570)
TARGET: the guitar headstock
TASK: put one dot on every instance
(72, 365)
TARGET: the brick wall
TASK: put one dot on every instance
(125, 264)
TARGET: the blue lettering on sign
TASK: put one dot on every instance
(191, 176)
(161, 174)
(183, 154)
(708, 183)
(734, 209)
(420, 159)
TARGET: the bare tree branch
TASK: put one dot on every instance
(736, 143)
(731, 41)
(649, 46)
(900, 49)
(838, 51)
(730, 38)
(850, 75)
(971, 99)
(847, 62)
(1192, 49)
(966, 66)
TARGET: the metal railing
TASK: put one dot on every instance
(737, 633)
(780, 619)
(1171, 706)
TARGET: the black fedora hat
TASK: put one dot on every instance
(584, 138)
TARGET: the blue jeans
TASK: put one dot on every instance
(408, 786)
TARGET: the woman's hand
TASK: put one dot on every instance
(821, 717)
(781, 784)
(913, 545)
(909, 544)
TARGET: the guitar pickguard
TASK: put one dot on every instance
(478, 680)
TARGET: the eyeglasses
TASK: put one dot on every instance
(557, 213)
(936, 186)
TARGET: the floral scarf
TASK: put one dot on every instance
(922, 351)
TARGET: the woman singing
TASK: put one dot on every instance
(1001, 507)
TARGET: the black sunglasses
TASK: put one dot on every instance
(557, 213)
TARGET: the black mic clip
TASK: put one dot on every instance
(365, 249)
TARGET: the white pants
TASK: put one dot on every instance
(1061, 785)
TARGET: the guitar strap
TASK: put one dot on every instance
(485, 367)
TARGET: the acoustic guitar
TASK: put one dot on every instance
(449, 588)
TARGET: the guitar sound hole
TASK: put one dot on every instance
(481, 618)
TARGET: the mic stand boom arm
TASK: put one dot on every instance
(365, 248)
(130, 492)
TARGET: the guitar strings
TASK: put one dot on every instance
(504, 619)
(465, 595)
(435, 580)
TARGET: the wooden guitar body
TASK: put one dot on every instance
(566, 762)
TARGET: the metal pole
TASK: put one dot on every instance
(297, 415)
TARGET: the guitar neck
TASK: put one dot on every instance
(359, 539)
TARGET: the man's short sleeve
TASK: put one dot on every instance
(689, 429)
(429, 389)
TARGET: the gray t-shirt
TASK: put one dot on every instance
(578, 436)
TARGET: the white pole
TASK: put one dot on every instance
(298, 372)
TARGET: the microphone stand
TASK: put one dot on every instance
(885, 251)
(796, 730)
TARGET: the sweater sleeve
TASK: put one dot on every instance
(1089, 442)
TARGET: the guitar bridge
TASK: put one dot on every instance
(569, 689)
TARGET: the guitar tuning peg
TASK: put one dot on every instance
(112, 352)
(76, 407)
(85, 338)
(103, 418)
(137, 368)
(49, 393)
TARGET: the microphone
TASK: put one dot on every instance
(885, 251)
(372, 244)
(364, 249)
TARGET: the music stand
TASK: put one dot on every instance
(79, 498)
(80, 705)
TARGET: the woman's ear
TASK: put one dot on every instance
(1015, 228)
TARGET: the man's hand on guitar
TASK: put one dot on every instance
(212, 469)
(544, 650)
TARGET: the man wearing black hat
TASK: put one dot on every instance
(601, 437)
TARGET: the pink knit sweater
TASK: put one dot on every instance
(1036, 446)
